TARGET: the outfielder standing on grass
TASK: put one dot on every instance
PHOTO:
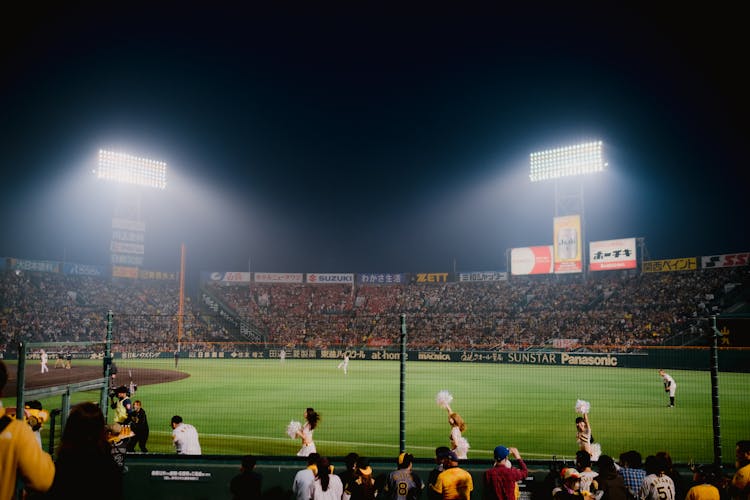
(43, 359)
(670, 386)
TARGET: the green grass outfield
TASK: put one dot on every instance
(244, 406)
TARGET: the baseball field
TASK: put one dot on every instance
(244, 406)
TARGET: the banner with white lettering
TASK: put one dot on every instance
(278, 277)
(483, 276)
(83, 269)
(46, 266)
(381, 279)
(330, 278)
(531, 260)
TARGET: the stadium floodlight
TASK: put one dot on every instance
(568, 161)
(127, 169)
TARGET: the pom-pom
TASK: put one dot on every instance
(443, 399)
(582, 406)
(293, 428)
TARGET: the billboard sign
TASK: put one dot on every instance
(531, 260)
(612, 255)
(726, 260)
(568, 248)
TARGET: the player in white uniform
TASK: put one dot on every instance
(185, 437)
(670, 386)
(44, 358)
(344, 363)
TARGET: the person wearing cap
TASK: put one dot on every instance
(500, 481)
(706, 477)
(571, 487)
(670, 386)
(403, 483)
(363, 487)
(123, 407)
(657, 485)
(453, 482)
(435, 472)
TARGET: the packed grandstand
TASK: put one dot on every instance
(618, 309)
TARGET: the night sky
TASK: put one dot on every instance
(369, 139)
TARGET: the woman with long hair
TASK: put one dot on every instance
(459, 444)
(85, 467)
(327, 485)
(306, 432)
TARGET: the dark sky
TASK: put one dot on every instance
(370, 139)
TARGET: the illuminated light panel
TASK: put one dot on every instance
(569, 161)
(127, 169)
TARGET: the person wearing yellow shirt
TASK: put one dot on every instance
(21, 455)
(739, 488)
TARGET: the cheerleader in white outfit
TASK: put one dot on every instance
(305, 432)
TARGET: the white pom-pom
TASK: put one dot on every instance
(293, 428)
(443, 399)
(582, 406)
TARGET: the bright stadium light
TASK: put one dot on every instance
(568, 161)
(127, 169)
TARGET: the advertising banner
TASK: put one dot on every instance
(119, 259)
(726, 260)
(122, 247)
(82, 269)
(670, 265)
(483, 276)
(531, 260)
(124, 272)
(381, 279)
(429, 278)
(46, 266)
(612, 255)
(568, 247)
(330, 278)
(231, 277)
(278, 277)
(156, 275)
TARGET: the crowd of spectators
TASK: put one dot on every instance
(625, 310)
(620, 309)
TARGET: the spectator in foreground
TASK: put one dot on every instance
(705, 477)
(247, 484)
(501, 481)
(611, 484)
(85, 467)
(327, 485)
(657, 485)
(453, 482)
(631, 471)
(739, 488)
(403, 483)
(21, 454)
(305, 477)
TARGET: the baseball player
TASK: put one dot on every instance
(670, 386)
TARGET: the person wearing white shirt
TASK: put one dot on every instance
(185, 437)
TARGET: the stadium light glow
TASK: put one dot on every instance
(568, 161)
(127, 169)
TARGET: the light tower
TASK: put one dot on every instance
(127, 246)
(565, 166)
